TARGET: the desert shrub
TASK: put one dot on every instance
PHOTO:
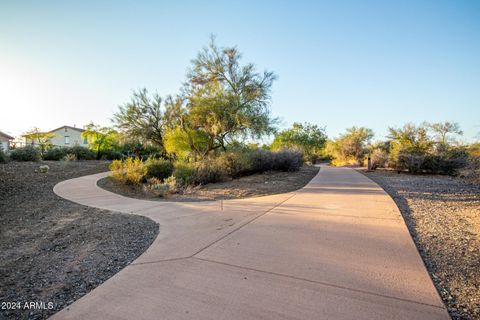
(69, 157)
(82, 153)
(471, 172)
(159, 168)
(379, 158)
(111, 155)
(430, 163)
(287, 160)
(208, 171)
(116, 170)
(3, 156)
(55, 153)
(156, 187)
(235, 163)
(349, 148)
(261, 161)
(172, 184)
(134, 170)
(183, 173)
(129, 171)
(28, 153)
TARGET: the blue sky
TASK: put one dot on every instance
(339, 63)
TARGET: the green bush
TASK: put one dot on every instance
(235, 164)
(158, 168)
(55, 153)
(82, 153)
(111, 155)
(428, 163)
(287, 160)
(208, 171)
(130, 171)
(183, 173)
(28, 153)
(3, 156)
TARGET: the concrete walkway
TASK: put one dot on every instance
(336, 249)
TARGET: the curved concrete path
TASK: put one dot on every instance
(336, 249)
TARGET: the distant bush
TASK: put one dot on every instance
(428, 163)
(27, 153)
(156, 187)
(379, 158)
(3, 156)
(235, 164)
(208, 171)
(287, 160)
(111, 155)
(69, 157)
(183, 173)
(261, 160)
(471, 172)
(82, 153)
(55, 153)
(129, 171)
(158, 168)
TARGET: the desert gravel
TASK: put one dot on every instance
(443, 216)
(53, 250)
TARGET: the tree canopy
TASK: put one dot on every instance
(142, 118)
(99, 138)
(309, 137)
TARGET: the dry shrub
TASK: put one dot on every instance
(129, 171)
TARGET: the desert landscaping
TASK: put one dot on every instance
(153, 166)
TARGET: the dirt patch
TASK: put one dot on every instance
(53, 250)
(443, 216)
(272, 182)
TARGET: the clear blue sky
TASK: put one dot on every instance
(340, 63)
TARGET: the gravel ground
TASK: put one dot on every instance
(272, 182)
(55, 251)
(443, 216)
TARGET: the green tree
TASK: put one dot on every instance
(309, 137)
(410, 139)
(142, 118)
(223, 100)
(99, 138)
(350, 147)
(443, 133)
(40, 138)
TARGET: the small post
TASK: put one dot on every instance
(369, 163)
(221, 204)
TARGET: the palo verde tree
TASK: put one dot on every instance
(99, 138)
(40, 138)
(308, 137)
(350, 147)
(444, 132)
(221, 101)
(142, 118)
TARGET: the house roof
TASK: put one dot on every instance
(69, 127)
(6, 135)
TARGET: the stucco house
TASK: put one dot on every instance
(5, 141)
(65, 136)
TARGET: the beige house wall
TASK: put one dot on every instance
(60, 138)
(74, 138)
(4, 142)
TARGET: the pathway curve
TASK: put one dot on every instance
(336, 249)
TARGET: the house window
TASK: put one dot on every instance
(85, 140)
(67, 140)
(66, 129)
